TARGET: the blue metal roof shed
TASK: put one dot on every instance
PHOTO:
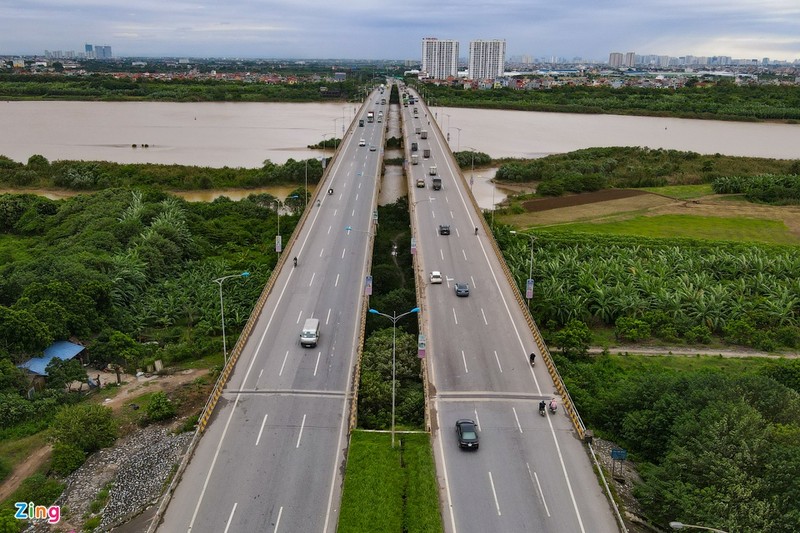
(64, 350)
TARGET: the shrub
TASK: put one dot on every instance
(631, 329)
(698, 334)
(67, 458)
(14, 409)
(160, 407)
(739, 331)
(574, 339)
(87, 426)
(788, 336)
(39, 489)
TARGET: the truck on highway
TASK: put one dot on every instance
(437, 183)
(309, 336)
(423, 134)
(370, 116)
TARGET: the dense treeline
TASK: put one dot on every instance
(471, 158)
(98, 175)
(721, 100)
(593, 169)
(127, 273)
(713, 448)
(109, 88)
(393, 292)
(765, 188)
(674, 290)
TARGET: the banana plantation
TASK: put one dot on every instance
(748, 295)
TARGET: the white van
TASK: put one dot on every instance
(310, 334)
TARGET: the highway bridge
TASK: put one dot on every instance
(274, 440)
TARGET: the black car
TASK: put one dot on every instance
(444, 229)
(467, 433)
(462, 289)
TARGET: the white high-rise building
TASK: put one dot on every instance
(630, 59)
(615, 59)
(439, 58)
(487, 59)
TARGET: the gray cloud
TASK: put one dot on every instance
(379, 29)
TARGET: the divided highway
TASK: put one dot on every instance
(272, 457)
(531, 473)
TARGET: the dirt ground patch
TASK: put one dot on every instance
(176, 386)
(545, 204)
(578, 210)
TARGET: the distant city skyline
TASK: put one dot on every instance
(745, 29)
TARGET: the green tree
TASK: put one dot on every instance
(20, 332)
(62, 373)
(86, 426)
(14, 409)
(574, 339)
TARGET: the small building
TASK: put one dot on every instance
(36, 366)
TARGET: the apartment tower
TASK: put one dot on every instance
(487, 59)
(439, 58)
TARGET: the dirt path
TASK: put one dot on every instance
(689, 351)
(23, 470)
(131, 388)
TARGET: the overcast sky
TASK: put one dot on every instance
(379, 29)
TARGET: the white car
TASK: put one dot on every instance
(362, 142)
(436, 276)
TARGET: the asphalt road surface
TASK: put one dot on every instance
(272, 457)
(530, 473)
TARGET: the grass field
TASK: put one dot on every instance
(694, 227)
(390, 490)
(681, 192)
(734, 366)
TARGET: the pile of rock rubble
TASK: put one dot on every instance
(136, 468)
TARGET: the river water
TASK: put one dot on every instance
(247, 134)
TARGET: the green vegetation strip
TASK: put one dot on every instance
(705, 432)
(681, 192)
(694, 227)
(390, 489)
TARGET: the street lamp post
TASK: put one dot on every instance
(219, 281)
(394, 318)
(530, 271)
(459, 138)
(280, 205)
(472, 153)
(679, 525)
